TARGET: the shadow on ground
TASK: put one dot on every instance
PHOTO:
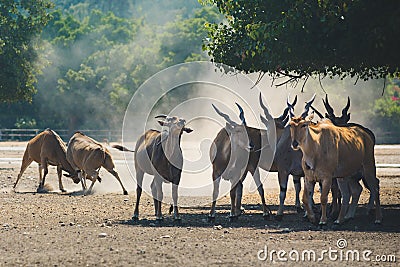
(291, 221)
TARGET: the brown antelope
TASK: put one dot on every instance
(159, 154)
(331, 152)
(47, 148)
(348, 187)
(239, 149)
(87, 156)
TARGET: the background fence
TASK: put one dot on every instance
(27, 134)
(116, 135)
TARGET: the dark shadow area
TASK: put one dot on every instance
(291, 221)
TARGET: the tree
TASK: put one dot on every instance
(297, 39)
(181, 39)
(386, 110)
(85, 70)
(20, 22)
(96, 59)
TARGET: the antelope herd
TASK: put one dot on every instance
(332, 152)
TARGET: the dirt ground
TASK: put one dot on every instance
(68, 229)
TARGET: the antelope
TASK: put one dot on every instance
(87, 156)
(159, 154)
(348, 187)
(331, 152)
(239, 149)
(47, 148)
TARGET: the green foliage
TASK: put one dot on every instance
(329, 38)
(189, 33)
(97, 58)
(386, 109)
(25, 123)
(20, 23)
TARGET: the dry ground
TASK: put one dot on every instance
(69, 229)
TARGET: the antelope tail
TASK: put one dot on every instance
(122, 148)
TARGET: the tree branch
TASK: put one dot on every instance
(384, 85)
(320, 83)
(294, 79)
(305, 81)
(286, 82)
(290, 75)
(358, 77)
(260, 76)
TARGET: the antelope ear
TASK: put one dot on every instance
(310, 117)
(188, 130)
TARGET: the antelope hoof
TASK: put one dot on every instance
(125, 192)
(279, 217)
(135, 218)
(336, 222)
(210, 218)
(378, 222)
(159, 220)
(40, 189)
(63, 190)
(178, 219)
(87, 192)
(171, 209)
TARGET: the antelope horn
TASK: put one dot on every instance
(241, 115)
(284, 122)
(346, 108)
(266, 112)
(307, 107)
(316, 111)
(284, 115)
(291, 106)
(328, 107)
(161, 116)
(223, 115)
(294, 101)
